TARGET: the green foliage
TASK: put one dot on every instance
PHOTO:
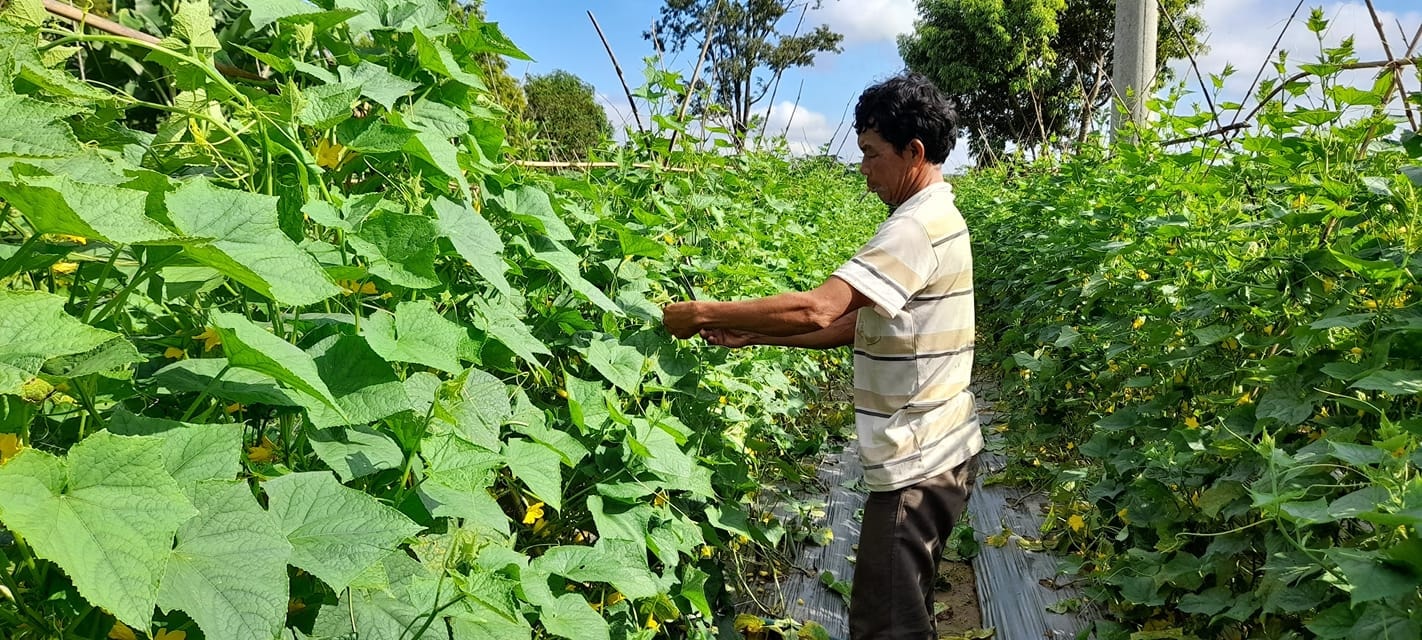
(566, 113)
(303, 355)
(1211, 355)
(1030, 72)
(748, 51)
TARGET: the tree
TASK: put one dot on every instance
(748, 53)
(566, 113)
(1026, 72)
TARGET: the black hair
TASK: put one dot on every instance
(907, 107)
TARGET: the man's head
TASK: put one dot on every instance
(906, 129)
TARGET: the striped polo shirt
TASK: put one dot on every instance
(913, 349)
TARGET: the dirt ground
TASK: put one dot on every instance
(957, 599)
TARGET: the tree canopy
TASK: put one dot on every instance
(566, 113)
(748, 51)
(1027, 72)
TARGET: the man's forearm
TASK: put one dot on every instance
(840, 333)
(784, 315)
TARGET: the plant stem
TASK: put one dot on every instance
(203, 394)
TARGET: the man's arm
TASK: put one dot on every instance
(785, 314)
(840, 333)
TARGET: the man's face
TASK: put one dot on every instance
(886, 171)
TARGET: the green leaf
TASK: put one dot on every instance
(502, 322)
(393, 600)
(1285, 401)
(265, 12)
(539, 467)
(377, 83)
(243, 386)
(24, 13)
(363, 383)
(1370, 579)
(401, 248)
(193, 25)
(565, 264)
(1398, 383)
(447, 497)
(435, 57)
(587, 402)
(615, 562)
(477, 408)
(416, 333)
(474, 239)
(620, 364)
(250, 347)
(106, 359)
(664, 457)
(228, 569)
(335, 532)
(436, 150)
(571, 617)
(33, 329)
(325, 106)
(202, 452)
(531, 206)
(248, 246)
(619, 519)
(356, 452)
(106, 515)
(58, 204)
(33, 129)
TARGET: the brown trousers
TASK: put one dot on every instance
(899, 546)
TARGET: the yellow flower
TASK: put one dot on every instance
(164, 634)
(121, 632)
(262, 452)
(9, 446)
(328, 154)
(1123, 513)
(64, 268)
(64, 237)
(232, 408)
(209, 339)
(174, 353)
(1076, 523)
(534, 513)
(353, 287)
(706, 551)
(652, 622)
(659, 499)
(1140, 273)
(1139, 322)
(1192, 423)
(1357, 351)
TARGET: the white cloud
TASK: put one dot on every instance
(805, 131)
(863, 21)
(1241, 32)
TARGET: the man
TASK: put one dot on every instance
(905, 301)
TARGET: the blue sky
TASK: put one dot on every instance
(558, 35)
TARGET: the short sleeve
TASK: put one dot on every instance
(893, 266)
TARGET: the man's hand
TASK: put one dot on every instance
(680, 319)
(730, 338)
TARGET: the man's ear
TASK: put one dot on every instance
(917, 151)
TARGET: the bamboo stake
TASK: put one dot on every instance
(1396, 76)
(1376, 64)
(691, 88)
(544, 164)
(84, 19)
(618, 68)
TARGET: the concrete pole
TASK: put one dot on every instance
(1134, 62)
